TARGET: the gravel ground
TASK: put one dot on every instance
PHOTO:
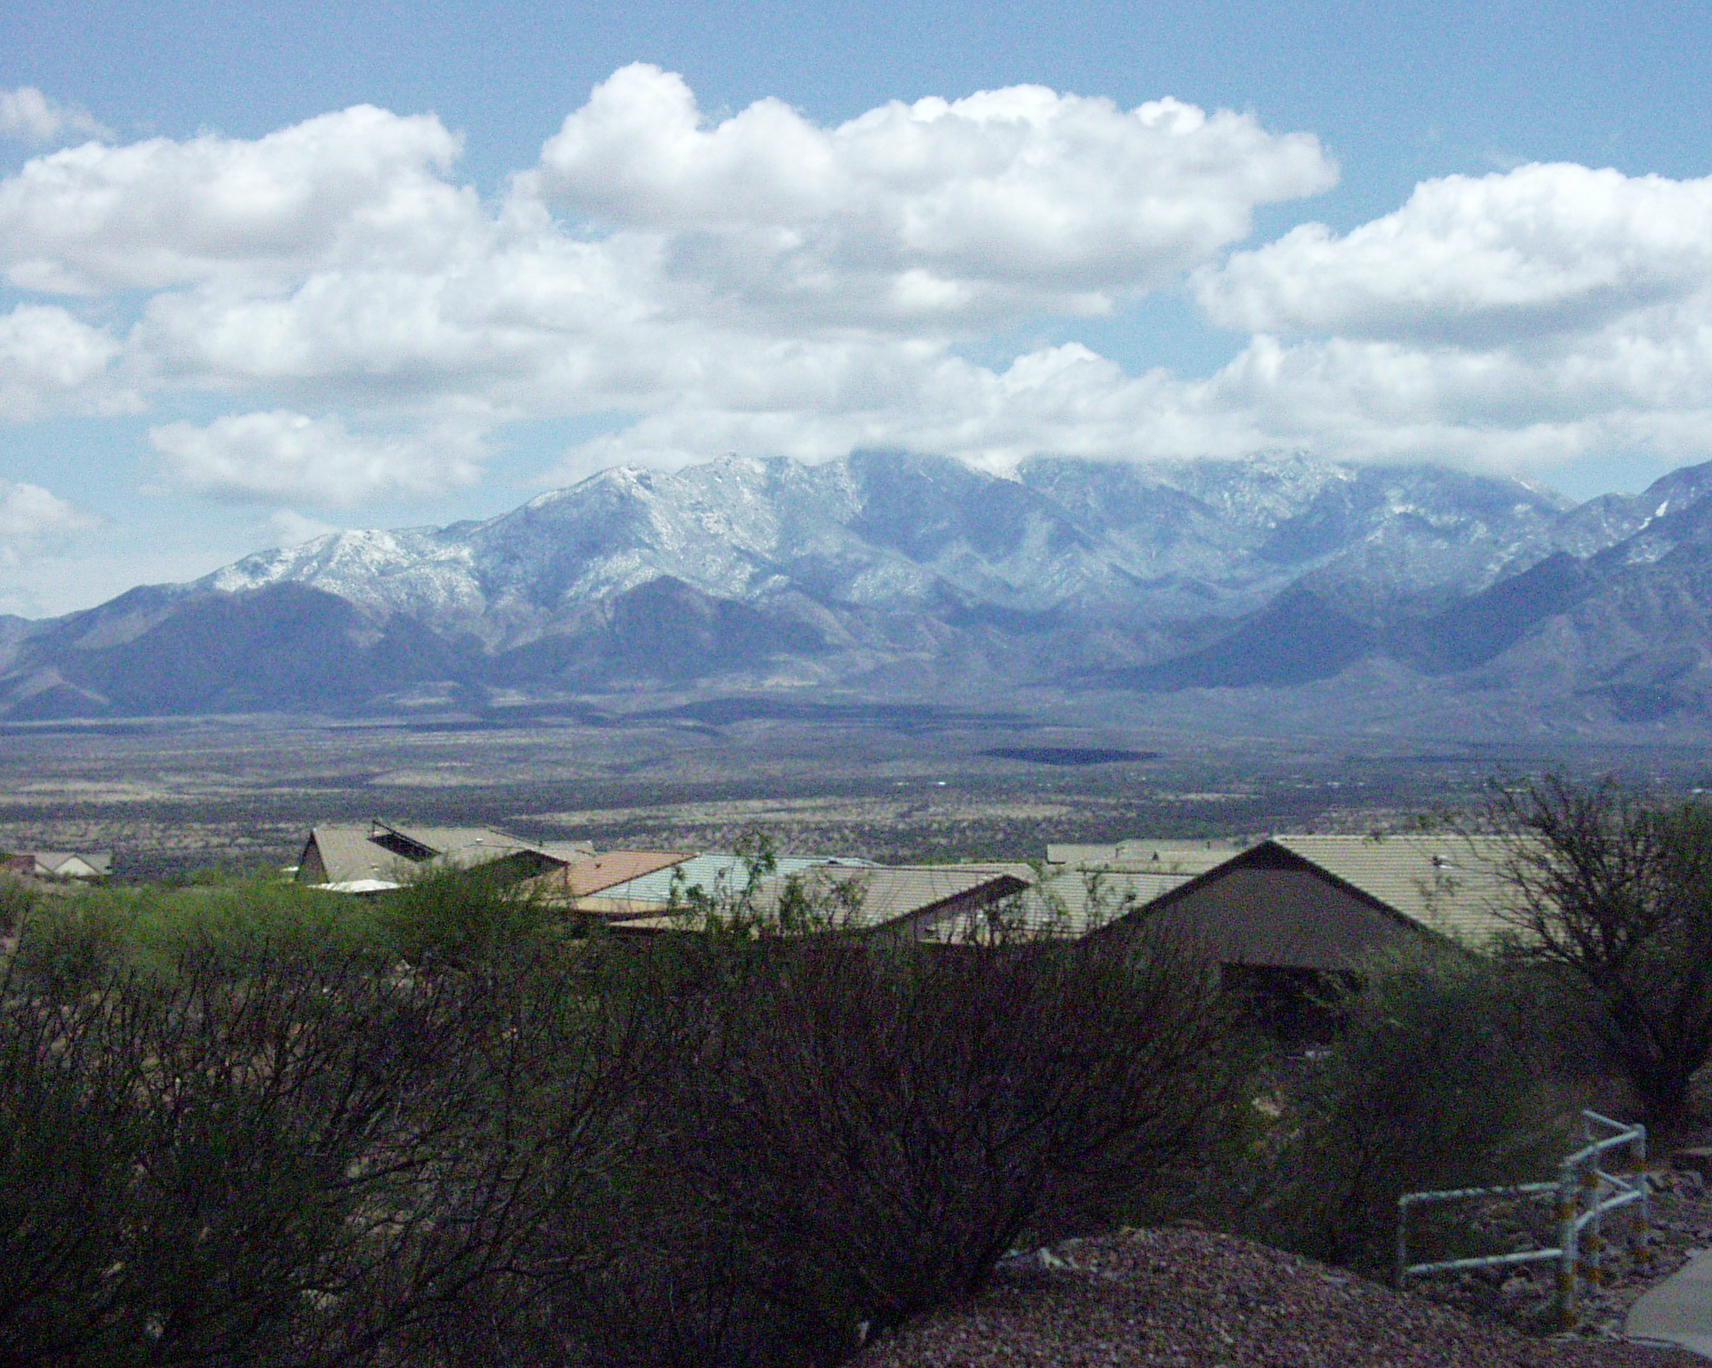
(1191, 1298)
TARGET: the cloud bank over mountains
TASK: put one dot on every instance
(364, 324)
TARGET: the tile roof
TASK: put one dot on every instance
(70, 864)
(865, 897)
(370, 851)
(1074, 902)
(894, 893)
(1448, 883)
(348, 855)
(464, 847)
(719, 875)
(1146, 855)
(1086, 886)
(608, 869)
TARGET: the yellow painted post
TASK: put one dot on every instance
(1566, 1204)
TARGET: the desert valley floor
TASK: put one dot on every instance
(887, 781)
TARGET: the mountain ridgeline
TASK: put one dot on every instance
(886, 575)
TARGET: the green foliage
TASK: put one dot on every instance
(71, 945)
(1436, 1083)
(467, 920)
(17, 901)
(76, 942)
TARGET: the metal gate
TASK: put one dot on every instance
(1585, 1192)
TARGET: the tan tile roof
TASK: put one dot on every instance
(1074, 901)
(903, 891)
(348, 855)
(462, 846)
(876, 896)
(1146, 855)
(1449, 883)
(1086, 886)
(74, 863)
(358, 851)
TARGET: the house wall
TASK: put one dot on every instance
(310, 869)
(1278, 916)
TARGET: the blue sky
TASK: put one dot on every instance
(329, 265)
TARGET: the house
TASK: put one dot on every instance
(607, 887)
(930, 903)
(61, 864)
(376, 856)
(1330, 903)
(1295, 920)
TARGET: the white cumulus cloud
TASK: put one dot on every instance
(30, 116)
(1512, 321)
(1543, 249)
(50, 361)
(1003, 201)
(288, 458)
(162, 213)
(32, 519)
(760, 282)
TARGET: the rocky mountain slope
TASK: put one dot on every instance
(890, 574)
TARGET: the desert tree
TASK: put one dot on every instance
(1609, 890)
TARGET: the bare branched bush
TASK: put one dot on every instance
(277, 1161)
(877, 1124)
(255, 1131)
(1611, 895)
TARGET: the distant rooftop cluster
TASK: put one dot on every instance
(1297, 901)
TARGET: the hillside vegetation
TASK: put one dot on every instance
(250, 1123)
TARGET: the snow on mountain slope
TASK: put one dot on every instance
(885, 572)
(882, 529)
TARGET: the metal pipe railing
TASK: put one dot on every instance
(1584, 1193)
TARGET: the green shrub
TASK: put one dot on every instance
(17, 900)
(1437, 1083)
(74, 942)
(264, 919)
(465, 920)
(71, 944)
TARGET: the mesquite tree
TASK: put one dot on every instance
(1612, 893)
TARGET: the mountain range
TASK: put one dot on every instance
(887, 575)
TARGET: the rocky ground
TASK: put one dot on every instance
(1190, 1298)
